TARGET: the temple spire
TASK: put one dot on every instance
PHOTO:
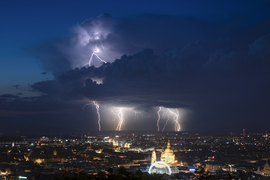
(169, 144)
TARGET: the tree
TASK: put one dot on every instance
(110, 170)
(101, 176)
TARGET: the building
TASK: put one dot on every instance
(265, 171)
(167, 156)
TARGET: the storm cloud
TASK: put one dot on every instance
(207, 77)
(219, 71)
(117, 36)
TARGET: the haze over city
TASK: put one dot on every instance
(90, 66)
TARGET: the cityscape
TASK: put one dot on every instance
(173, 155)
(134, 90)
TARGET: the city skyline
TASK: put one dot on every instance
(135, 66)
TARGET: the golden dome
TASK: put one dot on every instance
(167, 150)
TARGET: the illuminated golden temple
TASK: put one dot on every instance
(167, 156)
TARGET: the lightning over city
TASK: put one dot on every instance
(175, 115)
(97, 108)
(158, 113)
(166, 123)
(172, 114)
(166, 69)
(134, 89)
(118, 112)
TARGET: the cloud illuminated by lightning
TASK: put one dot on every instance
(95, 53)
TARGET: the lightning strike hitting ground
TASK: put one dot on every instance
(158, 117)
(119, 115)
(97, 107)
(166, 123)
(175, 118)
(174, 114)
(95, 53)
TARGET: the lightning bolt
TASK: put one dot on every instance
(119, 115)
(177, 126)
(97, 108)
(166, 123)
(158, 117)
(174, 114)
(91, 58)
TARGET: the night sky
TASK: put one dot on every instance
(207, 61)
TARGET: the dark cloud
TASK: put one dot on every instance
(44, 73)
(7, 97)
(115, 37)
(220, 71)
(49, 87)
(197, 67)
(209, 77)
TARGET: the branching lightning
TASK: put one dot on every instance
(119, 114)
(175, 114)
(158, 113)
(91, 58)
(170, 114)
(166, 123)
(97, 108)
